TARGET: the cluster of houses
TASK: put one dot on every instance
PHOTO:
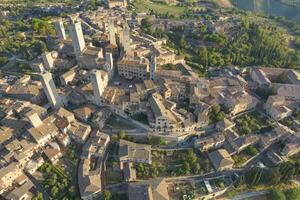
(31, 136)
(91, 164)
(281, 104)
(110, 67)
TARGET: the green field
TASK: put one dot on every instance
(147, 6)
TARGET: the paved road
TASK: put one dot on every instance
(248, 195)
(204, 176)
(166, 148)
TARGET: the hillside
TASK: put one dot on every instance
(224, 3)
(292, 2)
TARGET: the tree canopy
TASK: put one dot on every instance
(276, 194)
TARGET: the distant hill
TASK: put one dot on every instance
(37, 1)
(217, 3)
(290, 9)
(292, 2)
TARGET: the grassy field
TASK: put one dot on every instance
(147, 6)
(224, 3)
(119, 123)
(141, 117)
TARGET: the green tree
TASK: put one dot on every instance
(42, 26)
(215, 59)
(20, 36)
(192, 157)
(107, 195)
(39, 196)
(217, 38)
(146, 24)
(40, 47)
(122, 134)
(293, 194)
(216, 114)
(141, 170)
(203, 56)
(276, 194)
(158, 33)
(287, 171)
(260, 45)
(206, 165)
(72, 191)
(91, 5)
(296, 57)
(257, 177)
(156, 140)
(297, 42)
(182, 42)
(21, 26)
(7, 24)
(245, 23)
(273, 176)
(186, 168)
(197, 168)
(252, 151)
(54, 191)
(203, 29)
(3, 61)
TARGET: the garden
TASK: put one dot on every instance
(57, 183)
(186, 190)
(174, 163)
(113, 174)
(289, 121)
(141, 117)
(196, 189)
(254, 123)
(73, 153)
(245, 155)
(216, 114)
(116, 122)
